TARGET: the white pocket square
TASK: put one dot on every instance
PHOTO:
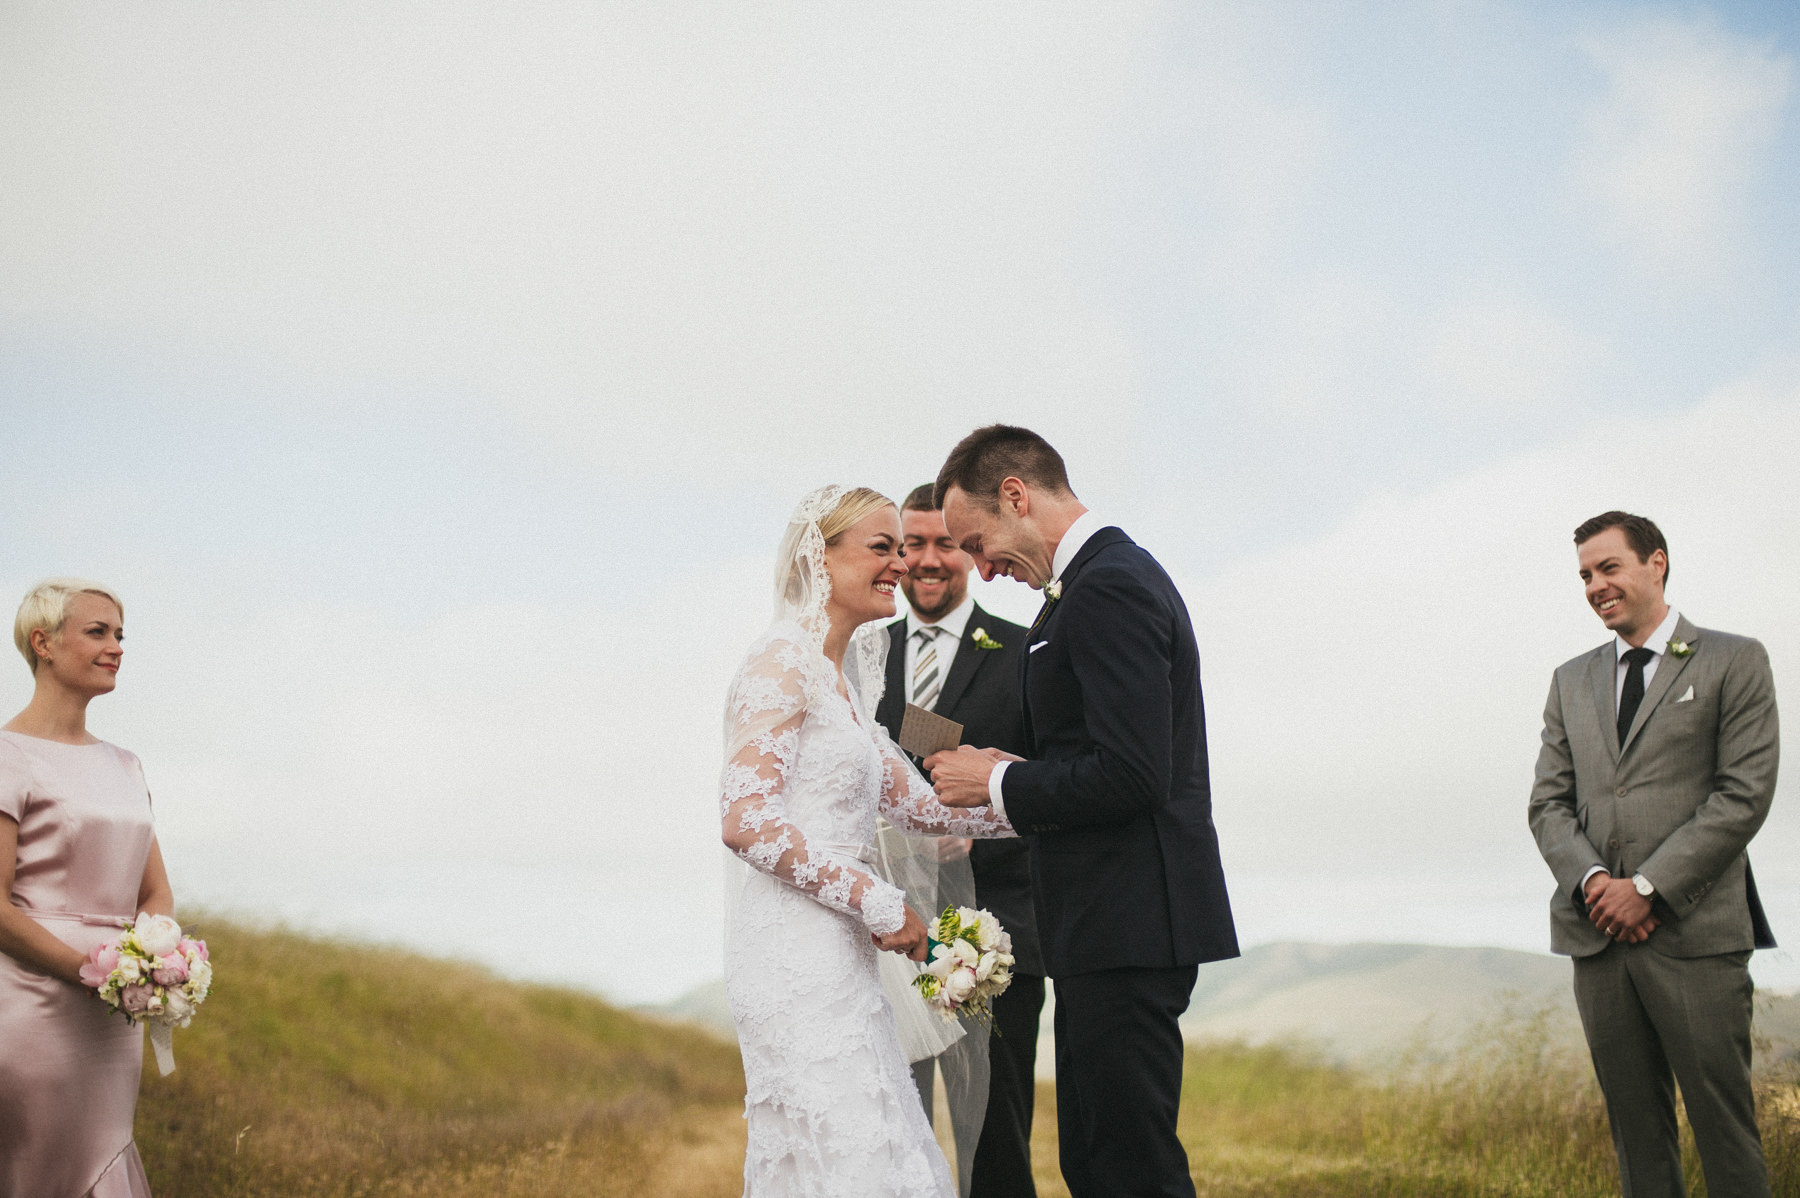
(1686, 695)
(1037, 646)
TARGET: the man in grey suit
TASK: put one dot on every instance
(1657, 767)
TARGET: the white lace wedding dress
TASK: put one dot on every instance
(831, 1105)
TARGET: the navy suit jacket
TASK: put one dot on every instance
(1115, 798)
(981, 692)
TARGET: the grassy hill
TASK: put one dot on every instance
(319, 1068)
(325, 1069)
(1370, 1004)
(1366, 1005)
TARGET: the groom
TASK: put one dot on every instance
(1114, 802)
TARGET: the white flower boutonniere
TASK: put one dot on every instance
(1053, 589)
(984, 641)
(1680, 649)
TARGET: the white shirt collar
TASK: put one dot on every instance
(1085, 526)
(955, 623)
(1659, 640)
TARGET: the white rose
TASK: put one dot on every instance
(960, 985)
(179, 1008)
(987, 932)
(159, 934)
(130, 969)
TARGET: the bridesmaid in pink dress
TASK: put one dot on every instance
(77, 855)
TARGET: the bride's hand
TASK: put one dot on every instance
(912, 939)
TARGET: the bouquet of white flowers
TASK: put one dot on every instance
(153, 972)
(970, 964)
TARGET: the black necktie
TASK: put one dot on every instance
(1633, 694)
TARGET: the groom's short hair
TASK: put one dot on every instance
(989, 456)
(1640, 532)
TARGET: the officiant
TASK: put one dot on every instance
(951, 657)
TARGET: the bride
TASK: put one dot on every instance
(831, 1103)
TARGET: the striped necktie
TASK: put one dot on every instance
(926, 675)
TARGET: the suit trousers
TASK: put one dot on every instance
(1118, 1082)
(1653, 1021)
(1003, 1157)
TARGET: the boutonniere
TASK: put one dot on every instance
(984, 641)
(1053, 589)
(1681, 649)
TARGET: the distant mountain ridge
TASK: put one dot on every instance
(1363, 1004)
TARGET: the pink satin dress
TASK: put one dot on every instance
(69, 1067)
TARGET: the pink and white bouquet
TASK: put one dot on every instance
(969, 964)
(152, 972)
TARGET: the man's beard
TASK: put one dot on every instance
(952, 597)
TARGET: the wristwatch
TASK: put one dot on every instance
(1643, 885)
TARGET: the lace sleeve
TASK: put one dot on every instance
(766, 706)
(912, 806)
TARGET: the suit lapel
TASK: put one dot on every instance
(893, 697)
(1667, 671)
(1603, 673)
(1040, 627)
(962, 669)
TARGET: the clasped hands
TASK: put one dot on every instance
(1618, 910)
(960, 775)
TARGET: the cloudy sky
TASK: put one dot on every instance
(434, 380)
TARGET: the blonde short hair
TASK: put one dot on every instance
(46, 607)
(856, 503)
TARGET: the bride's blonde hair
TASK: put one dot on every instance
(856, 503)
(46, 607)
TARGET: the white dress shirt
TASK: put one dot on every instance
(1085, 526)
(1658, 644)
(950, 638)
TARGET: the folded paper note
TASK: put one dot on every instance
(923, 733)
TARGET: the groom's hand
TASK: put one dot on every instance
(960, 776)
(913, 938)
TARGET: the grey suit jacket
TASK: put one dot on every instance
(1677, 802)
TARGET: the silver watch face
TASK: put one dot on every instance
(1643, 885)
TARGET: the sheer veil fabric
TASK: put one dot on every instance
(804, 763)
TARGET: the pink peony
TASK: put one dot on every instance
(171, 970)
(136, 999)
(188, 948)
(101, 961)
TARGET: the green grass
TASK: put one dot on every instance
(320, 1068)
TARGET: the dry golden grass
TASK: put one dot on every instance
(325, 1069)
(1510, 1117)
